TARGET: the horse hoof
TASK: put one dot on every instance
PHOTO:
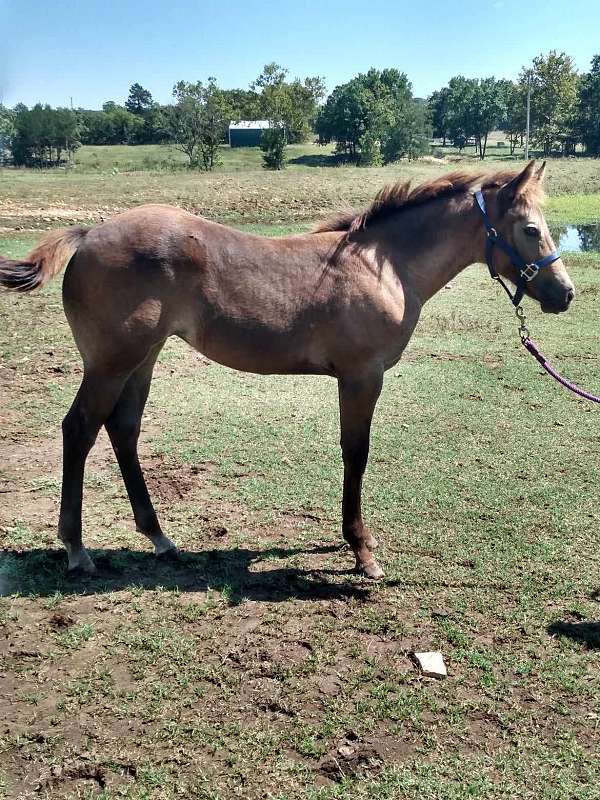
(81, 565)
(163, 545)
(371, 570)
(172, 554)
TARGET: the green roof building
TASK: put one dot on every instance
(247, 133)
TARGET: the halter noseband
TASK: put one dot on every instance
(527, 272)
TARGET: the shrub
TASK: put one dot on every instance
(370, 150)
(272, 143)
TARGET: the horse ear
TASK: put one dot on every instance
(539, 175)
(513, 189)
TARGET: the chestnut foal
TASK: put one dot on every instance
(341, 301)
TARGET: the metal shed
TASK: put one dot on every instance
(247, 133)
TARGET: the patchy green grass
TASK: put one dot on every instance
(17, 246)
(577, 209)
(127, 158)
(255, 665)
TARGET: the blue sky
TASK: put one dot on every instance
(93, 50)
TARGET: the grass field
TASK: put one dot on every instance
(168, 157)
(258, 666)
(243, 193)
(124, 158)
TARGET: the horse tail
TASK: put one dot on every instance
(43, 263)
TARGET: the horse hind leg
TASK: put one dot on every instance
(97, 395)
(123, 427)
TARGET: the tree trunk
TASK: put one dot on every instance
(485, 138)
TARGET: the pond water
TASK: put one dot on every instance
(577, 238)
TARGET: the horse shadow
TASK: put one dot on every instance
(586, 633)
(42, 573)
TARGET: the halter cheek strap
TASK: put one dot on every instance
(527, 272)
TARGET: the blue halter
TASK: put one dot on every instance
(527, 272)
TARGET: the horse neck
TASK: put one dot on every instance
(430, 244)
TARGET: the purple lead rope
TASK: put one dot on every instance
(532, 347)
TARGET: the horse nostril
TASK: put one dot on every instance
(570, 296)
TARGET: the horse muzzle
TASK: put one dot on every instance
(557, 301)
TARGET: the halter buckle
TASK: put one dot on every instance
(492, 233)
(529, 272)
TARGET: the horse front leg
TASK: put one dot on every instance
(358, 396)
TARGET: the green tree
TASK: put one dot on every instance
(344, 118)
(475, 107)
(461, 92)
(139, 100)
(41, 134)
(588, 114)
(32, 131)
(516, 115)
(97, 127)
(198, 121)
(154, 131)
(291, 104)
(302, 98)
(272, 94)
(141, 104)
(489, 109)
(7, 130)
(411, 137)
(273, 75)
(363, 115)
(244, 104)
(67, 132)
(554, 96)
(125, 127)
(438, 111)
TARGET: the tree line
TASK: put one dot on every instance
(373, 118)
(565, 108)
(196, 122)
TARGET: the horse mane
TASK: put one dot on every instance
(399, 196)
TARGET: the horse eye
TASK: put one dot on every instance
(531, 230)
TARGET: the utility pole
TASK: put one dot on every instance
(528, 115)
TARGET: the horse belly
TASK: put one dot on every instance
(252, 346)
